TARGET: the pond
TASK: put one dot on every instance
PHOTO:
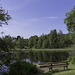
(34, 57)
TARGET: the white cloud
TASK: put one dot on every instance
(52, 17)
(34, 20)
(38, 19)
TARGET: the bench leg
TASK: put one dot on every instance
(67, 67)
(50, 69)
(64, 67)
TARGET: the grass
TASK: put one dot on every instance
(46, 73)
(71, 71)
(65, 49)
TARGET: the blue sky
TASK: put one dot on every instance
(35, 17)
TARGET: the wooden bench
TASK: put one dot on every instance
(50, 66)
(58, 65)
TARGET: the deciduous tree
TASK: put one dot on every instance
(4, 17)
(70, 20)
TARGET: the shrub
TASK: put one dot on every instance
(71, 59)
(22, 68)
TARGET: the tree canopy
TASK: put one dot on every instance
(4, 17)
(70, 20)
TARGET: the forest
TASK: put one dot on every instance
(52, 40)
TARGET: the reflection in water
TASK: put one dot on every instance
(32, 57)
(27, 60)
(47, 56)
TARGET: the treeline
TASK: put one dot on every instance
(49, 41)
(52, 40)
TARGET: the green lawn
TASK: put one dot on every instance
(69, 72)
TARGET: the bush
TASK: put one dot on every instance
(22, 68)
(71, 59)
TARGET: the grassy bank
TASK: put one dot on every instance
(65, 49)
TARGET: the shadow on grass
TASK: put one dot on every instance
(48, 73)
(56, 71)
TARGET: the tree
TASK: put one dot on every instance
(35, 41)
(67, 41)
(39, 43)
(45, 43)
(53, 38)
(32, 42)
(9, 42)
(18, 37)
(20, 43)
(70, 20)
(4, 17)
(2, 33)
(60, 39)
(26, 43)
(3, 45)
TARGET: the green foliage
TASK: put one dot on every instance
(9, 42)
(71, 59)
(22, 68)
(45, 43)
(4, 17)
(70, 20)
(50, 41)
(20, 43)
(53, 38)
(3, 45)
(5, 73)
(60, 39)
(32, 43)
(39, 43)
(35, 41)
